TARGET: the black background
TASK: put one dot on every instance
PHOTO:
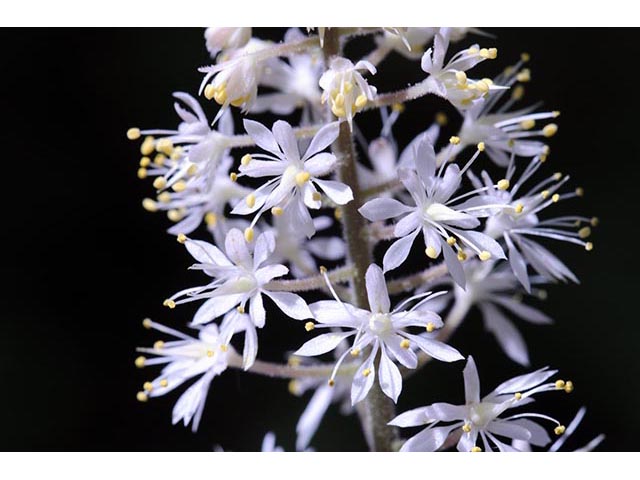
(82, 263)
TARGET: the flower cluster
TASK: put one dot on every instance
(273, 197)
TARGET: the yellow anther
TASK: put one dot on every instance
(366, 372)
(238, 101)
(560, 384)
(462, 256)
(481, 146)
(568, 387)
(248, 234)
(339, 100)
(472, 50)
(149, 205)
(323, 269)
(210, 353)
(430, 327)
(221, 97)
(518, 92)
(174, 215)
(466, 428)
(580, 192)
(338, 111)
(309, 326)
(142, 397)
(405, 343)
(550, 130)
(179, 186)
(398, 107)
(164, 197)
(347, 87)
(164, 145)
(159, 159)
(525, 57)
(337, 214)
(246, 159)
(224, 348)
(158, 345)
(147, 147)
(164, 382)
(192, 170)
(211, 219)
(251, 200)
(209, 91)
(584, 232)
(302, 178)
(482, 86)
(542, 294)
(454, 140)
(559, 430)
(545, 194)
(140, 361)
(142, 173)
(331, 382)
(528, 124)
(181, 238)
(451, 241)
(159, 183)
(493, 53)
(503, 184)
(133, 133)
(147, 323)
(147, 386)
(294, 361)
(240, 309)
(484, 255)
(294, 387)
(555, 198)
(361, 100)
(316, 196)
(442, 119)
(431, 252)
(145, 162)
(355, 352)
(519, 208)
(595, 221)
(524, 75)
(518, 395)
(277, 211)
(233, 176)
(476, 449)
(169, 303)
(461, 77)
(177, 153)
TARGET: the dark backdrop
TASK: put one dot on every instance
(82, 263)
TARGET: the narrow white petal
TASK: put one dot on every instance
(428, 440)
(389, 377)
(382, 209)
(411, 418)
(336, 191)
(291, 304)
(283, 133)
(363, 383)
(265, 245)
(377, 290)
(262, 136)
(434, 348)
(322, 344)
(325, 137)
(506, 334)
(398, 252)
(321, 164)
(471, 382)
(236, 248)
(256, 311)
(312, 416)
(215, 307)
(204, 252)
(250, 347)
(265, 274)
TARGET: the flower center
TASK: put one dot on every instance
(380, 323)
(245, 284)
(481, 414)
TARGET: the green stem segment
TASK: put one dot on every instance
(376, 410)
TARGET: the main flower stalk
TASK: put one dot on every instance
(377, 410)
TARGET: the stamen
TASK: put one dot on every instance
(142, 173)
(476, 449)
(355, 352)
(466, 428)
(405, 343)
(431, 252)
(140, 361)
(133, 133)
(503, 184)
(245, 159)
(277, 211)
(484, 255)
(147, 323)
(147, 146)
(142, 397)
(248, 234)
(309, 326)
(159, 183)
(302, 178)
(559, 430)
(366, 372)
(211, 219)
(149, 205)
(147, 386)
(584, 232)
(568, 387)
(158, 345)
(454, 140)
(169, 303)
(481, 146)
(451, 241)
(250, 200)
(181, 238)
(560, 384)
(588, 246)
(430, 327)
(550, 130)
(164, 383)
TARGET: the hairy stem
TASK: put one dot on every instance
(316, 282)
(376, 410)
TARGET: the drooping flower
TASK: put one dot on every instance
(484, 420)
(379, 328)
(226, 38)
(184, 359)
(292, 190)
(514, 216)
(444, 224)
(450, 81)
(238, 278)
(345, 88)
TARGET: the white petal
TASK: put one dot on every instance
(204, 252)
(215, 307)
(283, 133)
(236, 248)
(334, 313)
(425, 160)
(336, 191)
(408, 224)
(518, 265)
(265, 274)
(428, 440)
(321, 164)
(483, 242)
(389, 378)
(506, 334)
(263, 168)
(411, 418)
(523, 311)
(361, 383)
(434, 348)
(453, 265)
(538, 435)
(312, 416)
(256, 311)
(525, 382)
(322, 344)
(471, 382)
(265, 245)
(398, 252)
(510, 430)
(377, 290)
(405, 356)
(325, 137)
(382, 209)
(250, 347)
(291, 304)
(262, 136)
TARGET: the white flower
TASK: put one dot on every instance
(185, 358)
(444, 224)
(515, 219)
(225, 38)
(292, 191)
(345, 88)
(382, 330)
(482, 419)
(450, 81)
(238, 278)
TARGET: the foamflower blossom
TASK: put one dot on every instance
(483, 421)
(345, 88)
(381, 329)
(226, 38)
(184, 359)
(444, 224)
(292, 190)
(238, 278)
(450, 80)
